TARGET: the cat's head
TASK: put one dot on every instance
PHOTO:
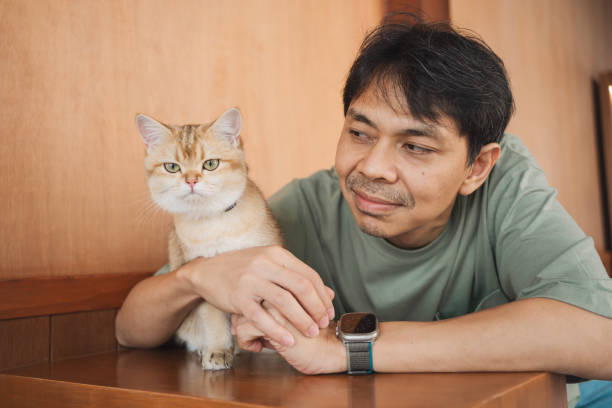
(194, 169)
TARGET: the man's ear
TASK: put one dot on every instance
(480, 168)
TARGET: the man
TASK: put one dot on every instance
(430, 214)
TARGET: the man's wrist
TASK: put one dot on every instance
(337, 352)
(185, 277)
(342, 364)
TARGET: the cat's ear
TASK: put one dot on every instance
(229, 125)
(151, 131)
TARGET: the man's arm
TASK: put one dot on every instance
(534, 334)
(528, 335)
(236, 282)
(154, 309)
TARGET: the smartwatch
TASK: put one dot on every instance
(357, 332)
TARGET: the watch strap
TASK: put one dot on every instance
(359, 357)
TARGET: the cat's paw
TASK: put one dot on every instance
(217, 359)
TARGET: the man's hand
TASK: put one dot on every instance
(315, 355)
(239, 281)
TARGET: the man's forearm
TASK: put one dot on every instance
(154, 309)
(235, 282)
(528, 335)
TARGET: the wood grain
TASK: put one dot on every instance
(540, 391)
(23, 392)
(429, 10)
(75, 73)
(23, 342)
(64, 294)
(81, 334)
(137, 377)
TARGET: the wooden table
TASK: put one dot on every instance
(169, 377)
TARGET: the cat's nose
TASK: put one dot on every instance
(191, 182)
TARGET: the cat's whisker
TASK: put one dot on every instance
(151, 209)
(150, 212)
(138, 200)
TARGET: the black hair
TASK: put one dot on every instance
(436, 69)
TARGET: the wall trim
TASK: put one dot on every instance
(38, 296)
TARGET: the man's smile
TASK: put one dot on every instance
(372, 205)
(376, 199)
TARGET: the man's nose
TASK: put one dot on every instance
(379, 163)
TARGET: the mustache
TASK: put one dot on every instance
(356, 181)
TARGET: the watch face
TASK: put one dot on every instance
(358, 323)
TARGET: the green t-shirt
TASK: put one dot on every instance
(509, 240)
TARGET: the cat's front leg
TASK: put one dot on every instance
(206, 330)
(220, 351)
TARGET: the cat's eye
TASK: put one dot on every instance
(172, 167)
(211, 164)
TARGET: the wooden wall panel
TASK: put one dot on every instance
(65, 294)
(75, 73)
(430, 10)
(553, 50)
(82, 334)
(51, 295)
(23, 342)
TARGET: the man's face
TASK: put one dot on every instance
(399, 176)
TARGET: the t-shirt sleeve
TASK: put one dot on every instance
(540, 250)
(164, 269)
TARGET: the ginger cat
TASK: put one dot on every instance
(198, 174)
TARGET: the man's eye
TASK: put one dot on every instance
(172, 167)
(416, 149)
(357, 134)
